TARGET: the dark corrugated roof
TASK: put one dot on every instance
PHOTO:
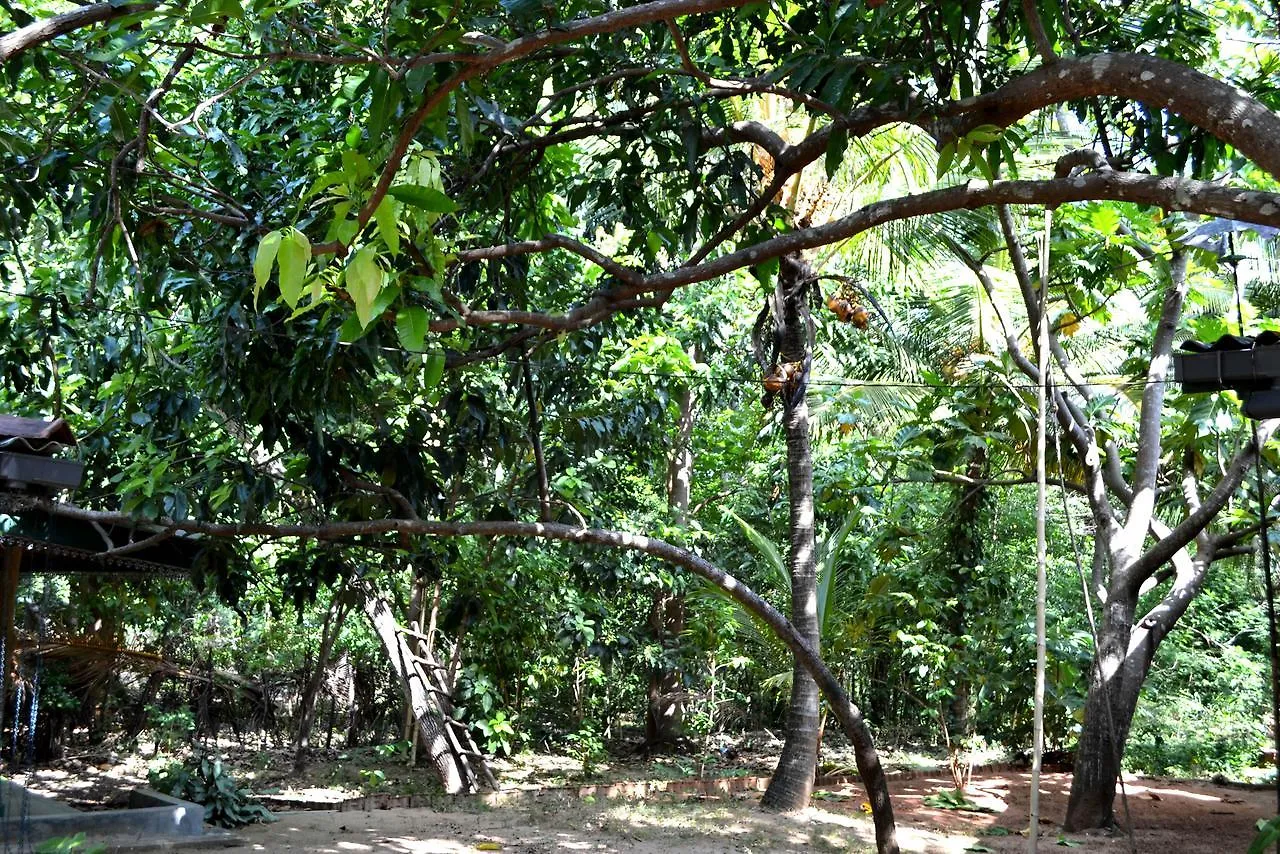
(58, 545)
(36, 435)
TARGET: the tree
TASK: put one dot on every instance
(414, 189)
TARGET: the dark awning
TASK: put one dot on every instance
(58, 545)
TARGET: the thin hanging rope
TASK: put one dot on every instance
(1033, 832)
(1093, 632)
(1264, 544)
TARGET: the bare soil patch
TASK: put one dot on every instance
(1182, 816)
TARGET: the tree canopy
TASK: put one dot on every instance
(369, 274)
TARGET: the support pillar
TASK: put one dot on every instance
(12, 557)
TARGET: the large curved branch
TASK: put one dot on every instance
(1170, 193)
(1214, 105)
(38, 32)
(850, 717)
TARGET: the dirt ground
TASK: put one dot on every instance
(1168, 816)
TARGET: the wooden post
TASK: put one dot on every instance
(8, 615)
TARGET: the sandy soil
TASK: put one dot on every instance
(1173, 816)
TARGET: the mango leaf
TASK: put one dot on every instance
(434, 370)
(364, 282)
(351, 330)
(428, 199)
(836, 147)
(326, 181)
(356, 166)
(293, 255)
(212, 11)
(264, 261)
(411, 327)
(945, 157)
(388, 229)
(984, 134)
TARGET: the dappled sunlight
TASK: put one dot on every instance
(1135, 791)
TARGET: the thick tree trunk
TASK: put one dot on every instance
(1093, 787)
(432, 728)
(664, 714)
(792, 782)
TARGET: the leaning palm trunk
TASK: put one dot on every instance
(450, 750)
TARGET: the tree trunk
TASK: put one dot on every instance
(334, 617)
(1093, 786)
(448, 765)
(664, 713)
(792, 782)
(966, 549)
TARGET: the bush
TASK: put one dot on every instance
(203, 780)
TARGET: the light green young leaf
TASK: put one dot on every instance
(293, 255)
(411, 327)
(364, 282)
(356, 167)
(428, 199)
(388, 228)
(264, 261)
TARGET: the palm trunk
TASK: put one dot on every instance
(422, 697)
(792, 782)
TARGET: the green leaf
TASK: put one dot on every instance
(945, 158)
(264, 261)
(773, 558)
(388, 228)
(424, 198)
(324, 182)
(980, 164)
(984, 134)
(351, 330)
(214, 11)
(1268, 834)
(434, 370)
(411, 327)
(836, 147)
(355, 165)
(293, 255)
(364, 282)
(462, 115)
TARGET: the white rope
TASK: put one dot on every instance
(1033, 832)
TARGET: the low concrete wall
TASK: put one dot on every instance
(152, 815)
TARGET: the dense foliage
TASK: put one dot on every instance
(308, 278)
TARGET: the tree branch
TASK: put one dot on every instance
(1147, 465)
(14, 43)
(1170, 193)
(1195, 521)
(849, 715)
(621, 19)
